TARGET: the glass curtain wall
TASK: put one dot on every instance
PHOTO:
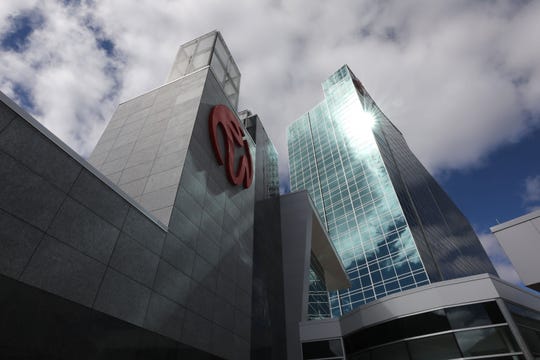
(333, 155)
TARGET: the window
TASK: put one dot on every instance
(322, 349)
(486, 341)
(474, 315)
(434, 348)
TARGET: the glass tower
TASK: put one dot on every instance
(391, 223)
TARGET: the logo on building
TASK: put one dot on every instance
(222, 116)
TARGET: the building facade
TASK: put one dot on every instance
(475, 317)
(172, 241)
(520, 239)
(168, 243)
(392, 224)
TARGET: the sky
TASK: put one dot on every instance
(461, 79)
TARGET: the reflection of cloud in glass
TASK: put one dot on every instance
(383, 234)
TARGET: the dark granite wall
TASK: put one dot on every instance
(65, 229)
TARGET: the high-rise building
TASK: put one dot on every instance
(393, 226)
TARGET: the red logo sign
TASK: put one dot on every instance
(222, 116)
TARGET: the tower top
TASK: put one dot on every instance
(209, 50)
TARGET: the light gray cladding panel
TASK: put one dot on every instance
(144, 146)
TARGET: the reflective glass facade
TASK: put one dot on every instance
(318, 306)
(391, 223)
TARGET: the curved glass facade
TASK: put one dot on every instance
(470, 331)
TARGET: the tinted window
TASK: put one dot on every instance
(474, 315)
(486, 341)
(434, 348)
(391, 352)
(416, 325)
(322, 349)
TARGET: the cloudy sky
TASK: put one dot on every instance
(461, 79)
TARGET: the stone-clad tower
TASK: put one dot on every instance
(143, 150)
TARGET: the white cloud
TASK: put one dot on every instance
(499, 259)
(456, 77)
(532, 189)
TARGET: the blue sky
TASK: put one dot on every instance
(496, 191)
(459, 78)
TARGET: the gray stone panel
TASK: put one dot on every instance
(207, 248)
(144, 231)
(114, 166)
(173, 284)
(18, 240)
(101, 199)
(132, 259)
(145, 142)
(64, 271)
(204, 273)
(183, 228)
(224, 314)
(142, 156)
(40, 154)
(103, 147)
(26, 194)
(158, 199)
(123, 298)
(165, 317)
(242, 323)
(80, 228)
(114, 178)
(121, 149)
(210, 229)
(152, 143)
(163, 215)
(189, 207)
(6, 115)
(243, 300)
(134, 188)
(135, 173)
(222, 341)
(242, 348)
(225, 289)
(193, 183)
(167, 162)
(132, 125)
(97, 159)
(110, 135)
(197, 330)
(201, 301)
(178, 254)
(163, 179)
